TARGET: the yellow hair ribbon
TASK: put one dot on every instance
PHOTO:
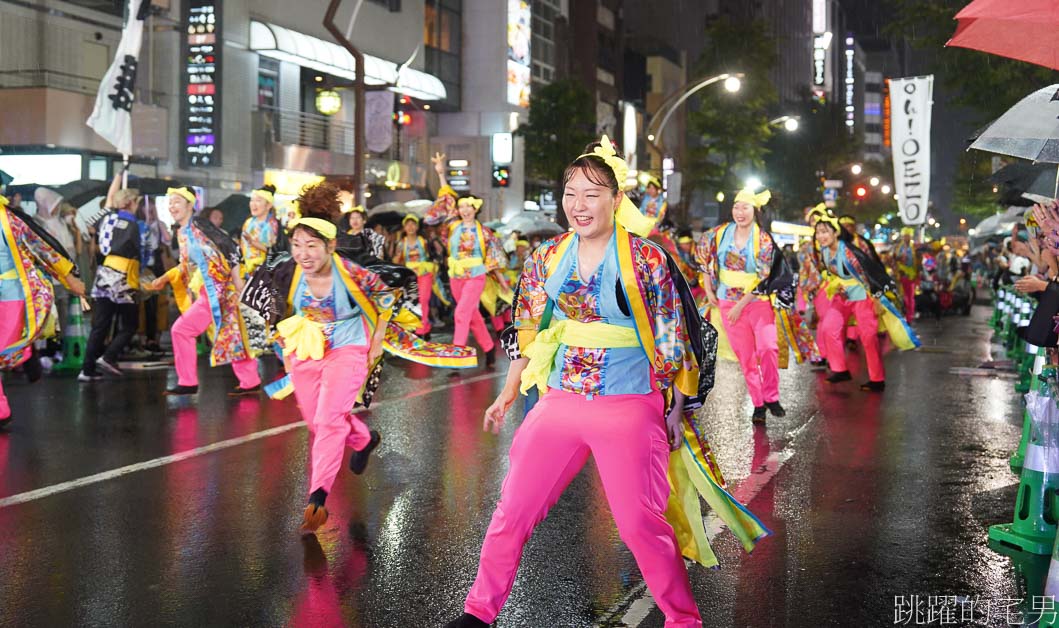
(628, 215)
(356, 208)
(325, 227)
(183, 193)
(828, 218)
(476, 203)
(747, 195)
(265, 194)
(909, 231)
(653, 180)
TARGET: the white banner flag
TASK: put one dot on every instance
(111, 118)
(378, 118)
(911, 100)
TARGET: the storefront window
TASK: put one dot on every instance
(442, 35)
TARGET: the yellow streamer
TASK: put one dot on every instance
(302, 337)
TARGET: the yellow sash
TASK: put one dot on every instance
(907, 271)
(10, 274)
(836, 283)
(459, 267)
(541, 352)
(127, 265)
(302, 337)
(422, 268)
(741, 280)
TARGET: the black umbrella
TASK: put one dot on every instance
(76, 193)
(388, 219)
(1025, 178)
(236, 209)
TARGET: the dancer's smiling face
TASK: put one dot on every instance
(180, 208)
(259, 206)
(589, 204)
(743, 213)
(310, 251)
(466, 210)
(825, 234)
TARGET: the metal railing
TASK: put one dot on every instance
(66, 81)
(284, 126)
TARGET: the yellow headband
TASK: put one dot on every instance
(476, 203)
(846, 220)
(830, 219)
(628, 216)
(653, 180)
(182, 192)
(684, 240)
(356, 208)
(519, 243)
(747, 195)
(326, 228)
(909, 231)
(265, 194)
(411, 217)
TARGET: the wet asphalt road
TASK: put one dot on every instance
(869, 497)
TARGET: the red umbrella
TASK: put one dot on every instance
(1023, 30)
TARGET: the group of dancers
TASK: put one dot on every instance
(613, 327)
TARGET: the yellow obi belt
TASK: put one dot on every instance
(302, 337)
(464, 265)
(541, 351)
(838, 283)
(129, 266)
(741, 280)
(423, 268)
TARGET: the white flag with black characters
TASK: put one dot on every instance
(112, 116)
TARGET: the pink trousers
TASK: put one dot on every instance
(908, 288)
(754, 342)
(626, 436)
(468, 293)
(12, 322)
(189, 326)
(834, 323)
(821, 304)
(426, 286)
(326, 390)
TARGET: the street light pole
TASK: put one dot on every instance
(358, 95)
(675, 100)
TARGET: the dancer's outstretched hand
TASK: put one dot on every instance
(675, 427)
(494, 414)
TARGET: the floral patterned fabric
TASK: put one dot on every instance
(840, 264)
(200, 256)
(38, 261)
(809, 277)
(716, 250)
(587, 371)
(654, 207)
(257, 237)
(464, 241)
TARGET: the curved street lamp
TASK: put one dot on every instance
(789, 123)
(732, 84)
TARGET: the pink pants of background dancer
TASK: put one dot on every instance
(754, 342)
(821, 304)
(426, 286)
(468, 320)
(326, 390)
(867, 326)
(626, 436)
(12, 322)
(186, 329)
(908, 289)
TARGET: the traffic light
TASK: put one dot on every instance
(401, 118)
(501, 176)
(861, 191)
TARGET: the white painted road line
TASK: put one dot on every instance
(62, 487)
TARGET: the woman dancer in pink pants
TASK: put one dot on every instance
(476, 257)
(412, 251)
(600, 322)
(209, 269)
(29, 260)
(737, 256)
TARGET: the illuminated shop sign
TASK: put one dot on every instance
(518, 52)
(200, 111)
(850, 106)
(820, 45)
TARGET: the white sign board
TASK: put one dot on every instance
(911, 101)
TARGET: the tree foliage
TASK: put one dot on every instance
(985, 83)
(561, 122)
(729, 132)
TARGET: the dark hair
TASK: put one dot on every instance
(271, 189)
(318, 201)
(594, 168)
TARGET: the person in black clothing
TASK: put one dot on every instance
(116, 284)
